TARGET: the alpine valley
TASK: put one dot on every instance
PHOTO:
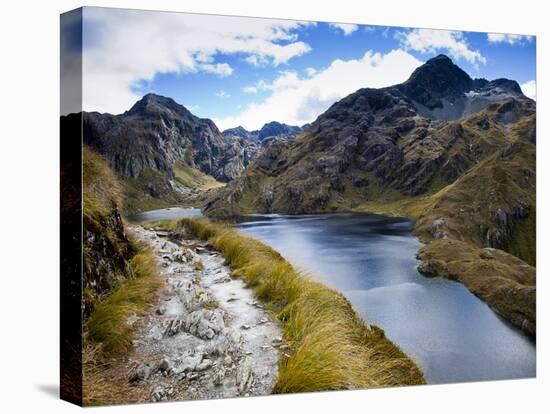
(453, 156)
(453, 153)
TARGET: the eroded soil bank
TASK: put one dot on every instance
(208, 337)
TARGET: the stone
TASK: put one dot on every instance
(140, 373)
(219, 376)
(165, 365)
(158, 394)
(190, 362)
(426, 269)
(204, 365)
(245, 376)
(192, 376)
(277, 341)
(228, 360)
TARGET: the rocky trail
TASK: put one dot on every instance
(208, 337)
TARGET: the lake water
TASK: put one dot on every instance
(371, 259)
(172, 213)
(449, 332)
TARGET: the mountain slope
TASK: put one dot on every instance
(455, 153)
(147, 142)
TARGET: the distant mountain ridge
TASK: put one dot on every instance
(269, 130)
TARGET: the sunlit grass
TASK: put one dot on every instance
(330, 346)
(108, 325)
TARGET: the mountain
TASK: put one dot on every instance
(240, 132)
(268, 131)
(163, 152)
(454, 153)
(439, 89)
(276, 129)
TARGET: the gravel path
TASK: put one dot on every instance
(209, 337)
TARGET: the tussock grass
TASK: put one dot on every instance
(102, 189)
(331, 347)
(194, 178)
(105, 382)
(108, 324)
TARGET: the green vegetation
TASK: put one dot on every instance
(102, 190)
(152, 189)
(149, 191)
(194, 178)
(106, 247)
(503, 281)
(108, 324)
(331, 347)
(524, 240)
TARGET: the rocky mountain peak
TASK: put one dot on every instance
(152, 104)
(275, 128)
(439, 78)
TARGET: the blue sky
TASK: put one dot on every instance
(246, 71)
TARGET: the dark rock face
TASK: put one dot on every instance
(155, 133)
(107, 250)
(268, 131)
(273, 129)
(439, 89)
(439, 78)
(241, 133)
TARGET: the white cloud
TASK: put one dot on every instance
(124, 47)
(223, 94)
(311, 71)
(432, 41)
(346, 28)
(296, 100)
(529, 89)
(508, 38)
(221, 69)
(250, 89)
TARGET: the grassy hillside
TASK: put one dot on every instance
(154, 189)
(120, 280)
(194, 178)
(107, 248)
(332, 348)
(492, 205)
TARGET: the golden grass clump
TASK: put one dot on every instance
(331, 347)
(105, 381)
(108, 325)
(101, 188)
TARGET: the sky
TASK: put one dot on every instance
(250, 71)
